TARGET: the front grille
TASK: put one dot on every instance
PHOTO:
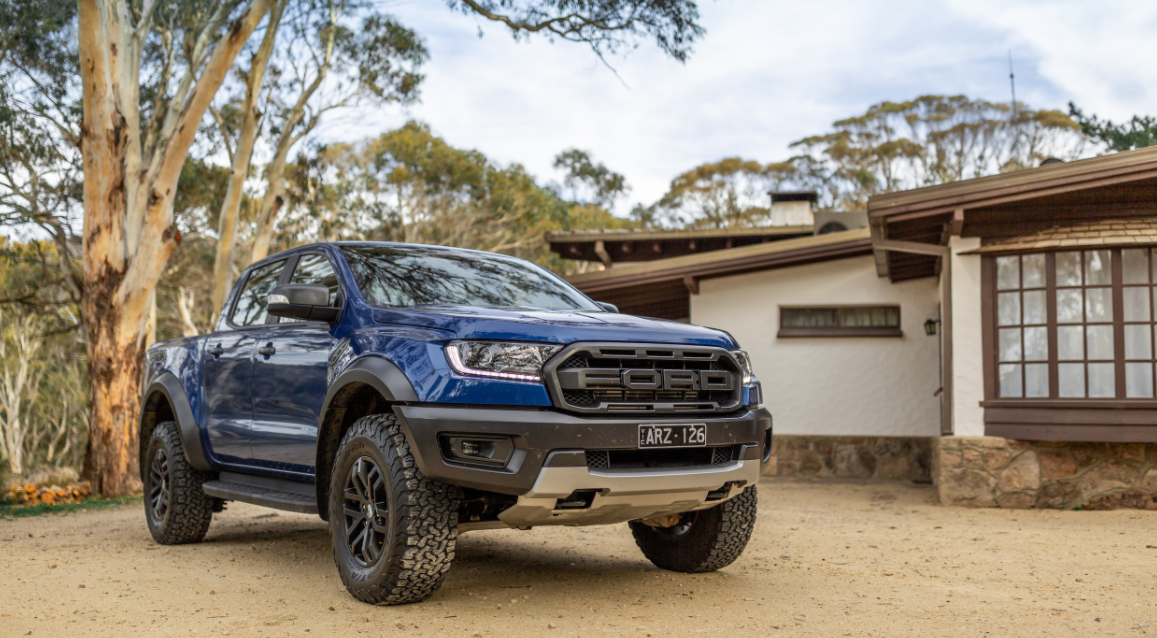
(660, 458)
(644, 378)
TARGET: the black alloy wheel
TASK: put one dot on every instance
(393, 530)
(366, 512)
(159, 485)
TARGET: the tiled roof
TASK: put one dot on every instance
(1117, 232)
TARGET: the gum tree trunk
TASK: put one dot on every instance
(246, 138)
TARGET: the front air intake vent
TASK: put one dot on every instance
(661, 458)
(644, 379)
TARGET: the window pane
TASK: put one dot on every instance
(1071, 343)
(1071, 379)
(807, 317)
(1034, 307)
(1036, 380)
(254, 298)
(1034, 271)
(1139, 380)
(1068, 269)
(875, 317)
(1007, 273)
(1135, 265)
(1069, 306)
(1098, 304)
(1101, 380)
(1097, 268)
(1008, 308)
(1100, 342)
(1137, 341)
(1010, 344)
(315, 269)
(1010, 381)
(1036, 344)
(1136, 303)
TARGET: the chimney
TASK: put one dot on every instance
(792, 208)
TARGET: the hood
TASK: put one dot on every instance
(553, 326)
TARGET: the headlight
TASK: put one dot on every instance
(745, 365)
(518, 361)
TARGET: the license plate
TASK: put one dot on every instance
(684, 435)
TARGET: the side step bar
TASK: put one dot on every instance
(263, 491)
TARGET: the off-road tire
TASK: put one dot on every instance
(187, 510)
(703, 541)
(418, 545)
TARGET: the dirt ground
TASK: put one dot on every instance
(825, 560)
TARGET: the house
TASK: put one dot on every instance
(995, 336)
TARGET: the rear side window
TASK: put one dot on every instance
(254, 298)
(316, 269)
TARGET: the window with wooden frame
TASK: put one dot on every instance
(839, 321)
(1073, 324)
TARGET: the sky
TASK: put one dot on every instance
(767, 73)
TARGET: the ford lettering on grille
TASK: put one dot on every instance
(643, 378)
(636, 379)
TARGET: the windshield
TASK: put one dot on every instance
(401, 276)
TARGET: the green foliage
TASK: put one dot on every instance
(723, 194)
(410, 185)
(1139, 132)
(894, 146)
(602, 185)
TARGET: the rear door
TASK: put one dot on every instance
(228, 371)
(289, 377)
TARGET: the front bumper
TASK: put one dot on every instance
(537, 433)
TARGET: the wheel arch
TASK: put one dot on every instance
(370, 385)
(165, 400)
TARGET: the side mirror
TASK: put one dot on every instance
(609, 307)
(302, 301)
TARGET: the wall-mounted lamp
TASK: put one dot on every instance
(930, 327)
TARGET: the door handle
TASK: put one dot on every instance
(216, 350)
(267, 349)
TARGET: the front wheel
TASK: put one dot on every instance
(393, 530)
(701, 541)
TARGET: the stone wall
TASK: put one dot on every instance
(851, 457)
(987, 471)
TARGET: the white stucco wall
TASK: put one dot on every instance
(833, 386)
(967, 359)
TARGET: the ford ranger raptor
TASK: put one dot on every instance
(407, 394)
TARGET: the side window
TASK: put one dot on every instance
(315, 269)
(254, 298)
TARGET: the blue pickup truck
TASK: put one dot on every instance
(407, 394)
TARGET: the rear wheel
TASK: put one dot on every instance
(176, 508)
(393, 530)
(701, 541)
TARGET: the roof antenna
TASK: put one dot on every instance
(1012, 83)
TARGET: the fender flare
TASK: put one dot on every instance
(168, 385)
(379, 373)
(375, 371)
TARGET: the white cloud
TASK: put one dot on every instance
(766, 74)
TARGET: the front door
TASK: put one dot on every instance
(290, 379)
(228, 371)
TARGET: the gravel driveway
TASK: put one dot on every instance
(826, 560)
